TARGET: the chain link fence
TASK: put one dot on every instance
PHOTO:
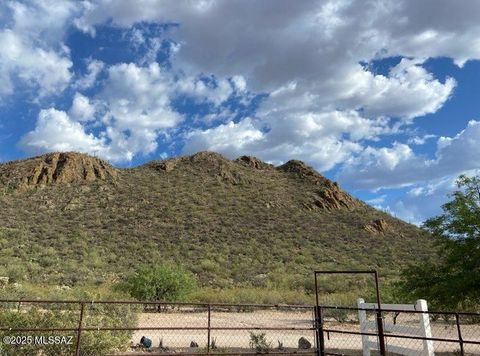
(132, 328)
(445, 333)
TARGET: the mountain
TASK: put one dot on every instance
(70, 218)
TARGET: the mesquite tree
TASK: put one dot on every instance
(453, 279)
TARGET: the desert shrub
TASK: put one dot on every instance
(259, 342)
(340, 315)
(159, 282)
(250, 295)
(56, 316)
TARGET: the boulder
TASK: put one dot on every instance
(304, 344)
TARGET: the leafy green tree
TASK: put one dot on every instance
(160, 282)
(453, 280)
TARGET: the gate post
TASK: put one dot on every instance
(421, 305)
(319, 331)
(363, 319)
(381, 333)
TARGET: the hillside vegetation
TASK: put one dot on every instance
(71, 219)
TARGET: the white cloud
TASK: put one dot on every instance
(420, 140)
(216, 92)
(230, 139)
(82, 109)
(239, 83)
(282, 40)
(139, 97)
(322, 103)
(408, 92)
(94, 68)
(424, 200)
(130, 114)
(378, 200)
(43, 20)
(374, 168)
(316, 139)
(55, 131)
(32, 52)
(46, 70)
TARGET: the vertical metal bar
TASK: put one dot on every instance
(79, 330)
(460, 338)
(209, 326)
(320, 350)
(381, 333)
(315, 330)
(321, 337)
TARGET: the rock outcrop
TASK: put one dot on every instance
(378, 226)
(331, 197)
(252, 162)
(56, 168)
(301, 170)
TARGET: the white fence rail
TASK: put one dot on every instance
(423, 329)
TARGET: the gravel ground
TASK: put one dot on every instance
(239, 339)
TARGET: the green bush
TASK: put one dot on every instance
(66, 316)
(159, 282)
(259, 342)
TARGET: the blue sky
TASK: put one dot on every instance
(381, 96)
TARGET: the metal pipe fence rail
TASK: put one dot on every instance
(132, 327)
(46, 327)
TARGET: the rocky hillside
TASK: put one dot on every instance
(71, 218)
(53, 168)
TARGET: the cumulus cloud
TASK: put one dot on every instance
(296, 39)
(32, 52)
(82, 109)
(94, 68)
(321, 103)
(139, 97)
(131, 112)
(313, 138)
(398, 165)
(46, 70)
(407, 92)
(423, 200)
(230, 139)
(55, 131)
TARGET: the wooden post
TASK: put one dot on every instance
(425, 329)
(362, 318)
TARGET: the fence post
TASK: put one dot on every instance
(319, 331)
(208, 326)
(79, 330)
(362, 318)
(460, 339)
(381, 333)
(421, 305)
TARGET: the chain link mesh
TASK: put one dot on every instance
(126, 328)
